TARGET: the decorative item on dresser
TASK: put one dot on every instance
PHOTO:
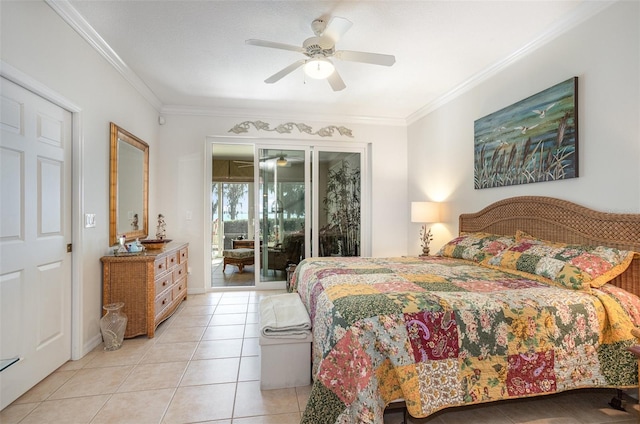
(151, 284)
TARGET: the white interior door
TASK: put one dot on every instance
(35, 228)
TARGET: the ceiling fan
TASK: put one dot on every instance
(318, 51)
(280, 160)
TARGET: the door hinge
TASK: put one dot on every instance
(69, 248)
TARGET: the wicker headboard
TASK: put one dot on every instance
(562, 221)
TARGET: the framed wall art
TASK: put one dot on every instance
(533, 140)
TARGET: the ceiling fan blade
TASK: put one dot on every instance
(336, 82)
(336, 28)
(286, 71)
(274, 45)
(365, 57)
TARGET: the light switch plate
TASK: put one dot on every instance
(89, 220)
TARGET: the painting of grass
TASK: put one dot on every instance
(530, 141)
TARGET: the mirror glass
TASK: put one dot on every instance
(129, 186)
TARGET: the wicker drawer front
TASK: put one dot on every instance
(160, 265)
(179, 271)
(184, 254)
(179, 289)
(163, 301)
(163, 283)
(172, 260)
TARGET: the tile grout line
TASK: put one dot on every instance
(242, 346)
(175, 390)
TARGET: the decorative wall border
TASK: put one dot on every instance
(288, 127)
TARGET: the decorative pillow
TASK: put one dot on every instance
(476, 247)
(576, 267)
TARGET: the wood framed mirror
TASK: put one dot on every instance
(128, 186)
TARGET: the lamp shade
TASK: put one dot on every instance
(318, 68)
(425, 212)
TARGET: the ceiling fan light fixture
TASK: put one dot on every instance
(281, 161)
(318, 68)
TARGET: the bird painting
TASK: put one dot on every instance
(543, 113)
(532, 140)
(523, 130)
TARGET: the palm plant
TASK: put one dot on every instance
(342, 205)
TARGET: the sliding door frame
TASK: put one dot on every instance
(311, 149)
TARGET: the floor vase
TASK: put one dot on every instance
(113, 325)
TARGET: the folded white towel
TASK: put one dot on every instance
(284, 316)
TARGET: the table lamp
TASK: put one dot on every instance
(425, 212)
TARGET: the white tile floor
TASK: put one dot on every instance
(203, 367)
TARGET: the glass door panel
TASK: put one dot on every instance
(281, 211)
(232, 205)
(339, 203)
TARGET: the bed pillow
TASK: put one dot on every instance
(476, 247)
(576, 267)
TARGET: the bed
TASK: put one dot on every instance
(536, 296)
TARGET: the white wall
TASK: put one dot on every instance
(181, 179)
(38, 43)
(604, 53)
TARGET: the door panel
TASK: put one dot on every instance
(339, 181)
(35, 268)
(282, 211)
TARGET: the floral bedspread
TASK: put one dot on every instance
(442, 332)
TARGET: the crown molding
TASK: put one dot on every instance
(585, 10)
(266, 113)
(71, 16)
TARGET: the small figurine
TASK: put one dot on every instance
(161, 230)
(122, 247)
(134, 223)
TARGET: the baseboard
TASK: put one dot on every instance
(195, 290)
(94, 342)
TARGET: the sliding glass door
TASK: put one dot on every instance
(338, 184)
(285, 202)
(282, 210)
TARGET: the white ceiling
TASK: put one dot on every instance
(192, 54)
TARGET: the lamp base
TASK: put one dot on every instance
(425, 238)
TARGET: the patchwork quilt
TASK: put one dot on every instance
(440, 332)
